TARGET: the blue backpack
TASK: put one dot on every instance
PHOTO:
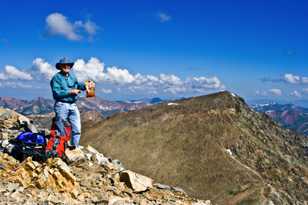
(30, 138)
(29, 144)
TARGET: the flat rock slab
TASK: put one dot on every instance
(137, 182)
(75, 155)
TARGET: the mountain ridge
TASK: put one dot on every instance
(214, 141)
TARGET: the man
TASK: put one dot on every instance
(65, 89)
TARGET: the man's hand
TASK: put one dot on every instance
(90, 85)
(74, 91)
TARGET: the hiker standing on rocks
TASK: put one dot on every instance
(65, 89)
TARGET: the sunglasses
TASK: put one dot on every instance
(66, 67)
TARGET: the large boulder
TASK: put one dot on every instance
(11, 120)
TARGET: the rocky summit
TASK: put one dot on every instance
(214, 147)
(85, 176)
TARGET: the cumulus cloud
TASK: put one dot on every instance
(117, 75)
(123, 79)
(287, 78)
(163, 17)
(293, 79)
(2, 76)
(305, 80)
(14, 84)
(89, 27)
(296, 93)
(275, 91)
(261, 93)
(93, 69)
(13, 73)
(106, 91)
(206, 83)
(58, 24)
(44, 68)
(305, 90)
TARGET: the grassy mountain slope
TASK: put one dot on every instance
(215, 147)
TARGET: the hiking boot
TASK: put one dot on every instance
(71, 147)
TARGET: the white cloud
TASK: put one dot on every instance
(305, 80)
(163, 17)
(261, 93)
(295, 93)
(93, 69)
(275, 91)
(305, 90)
(106, 91)
(171, 80)
(58, 24)
(2, 76)
(206, 83)
(290, 78)
(89, 27)
(117, 75)
(44, 68)
(295, 79)
(14, 84)
(11, 72)
(174, 89)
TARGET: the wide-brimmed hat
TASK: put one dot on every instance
(64, 61)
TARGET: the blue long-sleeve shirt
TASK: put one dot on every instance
(62, 84)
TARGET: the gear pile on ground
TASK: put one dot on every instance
(86, 177)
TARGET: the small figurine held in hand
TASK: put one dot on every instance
(90, 88)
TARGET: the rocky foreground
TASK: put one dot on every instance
(85, 177)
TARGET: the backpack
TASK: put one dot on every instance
(28, 144)
(56, 144)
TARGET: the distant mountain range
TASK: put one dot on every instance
(300, 103)
(287, 115)
(41, 106)
(92, 110)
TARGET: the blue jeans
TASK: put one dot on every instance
(67, 112)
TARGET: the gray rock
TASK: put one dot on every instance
(64, 169)
(119, 201)
(162, 186)
(137, 182)
(11, 187)
(4, 135)
(199, 202)
(32, 128)
(88, 156)
(5, 143)
(118, 164)
(178, 189)
(2, 166)
(9, 148)
(100, 159)
(74, 155)
(91, 150)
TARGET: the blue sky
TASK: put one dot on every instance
(166, 48)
